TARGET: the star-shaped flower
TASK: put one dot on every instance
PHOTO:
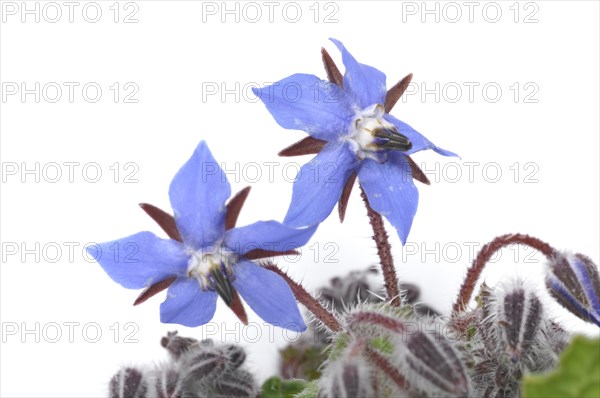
(206, 255)
(353, 133)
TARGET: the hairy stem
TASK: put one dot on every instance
(384, 251)
(484, 255)
(311, 303)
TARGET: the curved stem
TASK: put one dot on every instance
(311, 303)
(484, 255)
(384, 250)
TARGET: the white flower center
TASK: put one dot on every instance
(371, 135)
(202, 262)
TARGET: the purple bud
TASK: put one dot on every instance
(436, 363)
(348, 376)
(235, 355)
(574, 282)
(203, 363)
(410, 292)
(167, 384)
(128, 383)
(236, 384)
(177, 345)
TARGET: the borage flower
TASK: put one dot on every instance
(206, 256)
(353, 133)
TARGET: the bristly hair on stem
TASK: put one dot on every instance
(384, 250)
(484, 255)
(306, 299)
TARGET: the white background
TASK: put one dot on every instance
(176, 51)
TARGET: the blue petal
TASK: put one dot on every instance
(418, 140)
(319, 184)
(140, 260)
(268, 295)
(305, 102)
(187, 304)
(267, 235)
(391, 191)
(198, 193)
(366, 83)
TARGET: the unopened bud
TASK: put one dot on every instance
(573, 280)
(177, 345)
(128, 383)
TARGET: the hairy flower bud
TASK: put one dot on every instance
(128, 383)
(177, 345)
(239, 383)
(432, 357)
(348, 375)
(513, 336)
(166, 382)
(421, 350)
(573, 280)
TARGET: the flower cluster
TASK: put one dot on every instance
(365, 339)
(194, 369)
(207, 255)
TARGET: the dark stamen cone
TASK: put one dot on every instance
(222, 285)
(234, 206)
(392, 139)
(306, 146)
(164, 220)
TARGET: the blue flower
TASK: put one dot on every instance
(573, 280)
(206, 256)
(361, 138)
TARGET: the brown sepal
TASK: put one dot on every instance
(333, 73)
(154, 290)
(164, 220)
(393, 94)
(416, 171)
(306, 146)
(257, 254)
(343, 202)
(234, 206)
(238, 308)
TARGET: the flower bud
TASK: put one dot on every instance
(177, 345)
(236, 384)
(166, 383)
(128, 383)
(348, 375)
(438, 367)
(573, 280)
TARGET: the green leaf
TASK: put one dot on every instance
(577, 376)
(277, 388)
(310, 391)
